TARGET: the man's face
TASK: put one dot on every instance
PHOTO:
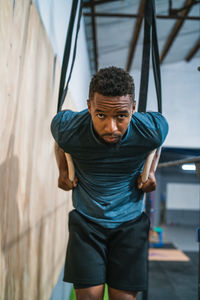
(111, 116)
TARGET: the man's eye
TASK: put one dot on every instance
(121, 117)
(100, 116)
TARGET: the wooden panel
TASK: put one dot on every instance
(167, 255)
(33, 211)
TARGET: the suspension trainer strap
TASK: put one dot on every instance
(66, 57)
(156, 60)
(150, 34)
(74, 54)
(67, 50)
(144, 80)
(150, 26)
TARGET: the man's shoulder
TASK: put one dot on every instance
(149, 119)
(151, 126)
(68, 114)
(147, 115)
(67, 121)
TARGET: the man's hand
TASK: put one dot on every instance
(63, 180)
(149, 185)
(64, 183)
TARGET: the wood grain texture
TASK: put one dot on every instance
(33, 211)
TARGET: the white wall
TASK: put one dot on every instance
(184, 196)
(181, 101)
(55, 17)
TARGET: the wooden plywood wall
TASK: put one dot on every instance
(33, 211)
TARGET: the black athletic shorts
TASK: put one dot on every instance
(97, 255)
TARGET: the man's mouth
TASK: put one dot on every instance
(111, 138)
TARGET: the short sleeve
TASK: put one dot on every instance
(59, 123)
(152, 127)
(161, 127)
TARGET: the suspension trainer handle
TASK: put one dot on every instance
(152, 158)
(71, 170)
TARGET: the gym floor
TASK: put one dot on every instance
(172, 280)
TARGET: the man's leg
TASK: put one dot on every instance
(115, 294)
(85, 264)
(91, 293)
(127, 259)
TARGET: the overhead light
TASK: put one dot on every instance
(189, 167)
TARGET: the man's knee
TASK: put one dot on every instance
(92, 293)
(115, 294)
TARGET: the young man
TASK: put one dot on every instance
(108, 230)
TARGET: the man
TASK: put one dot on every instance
(108, 230)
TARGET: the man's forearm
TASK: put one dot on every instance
(150, 184)
(60, 158)
(63, 180)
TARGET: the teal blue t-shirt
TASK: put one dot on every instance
(107, 190)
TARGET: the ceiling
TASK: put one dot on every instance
(114, 31)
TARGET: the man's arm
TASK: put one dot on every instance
(150, 184)
(63, 179)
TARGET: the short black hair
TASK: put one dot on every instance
(112, 81)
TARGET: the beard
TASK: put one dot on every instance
(114, 144)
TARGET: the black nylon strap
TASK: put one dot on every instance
(145, 58)
(67, 50)
(150, 27)
(74, 55)
(156, 61)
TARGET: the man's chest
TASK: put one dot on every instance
(124, 160)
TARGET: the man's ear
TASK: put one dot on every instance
(134, 107)
(89, 105)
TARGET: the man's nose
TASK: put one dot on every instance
(111, 126)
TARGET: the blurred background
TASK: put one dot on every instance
(33, 211)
